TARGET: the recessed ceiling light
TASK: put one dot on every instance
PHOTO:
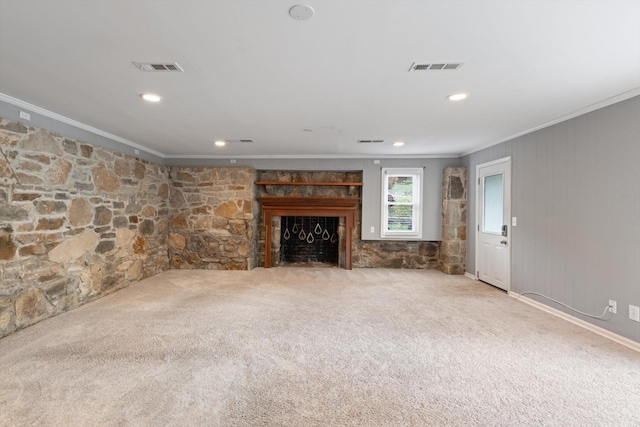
(150, 97)
(220, 143)
(398, 144)
(457, 96)
(301, 12)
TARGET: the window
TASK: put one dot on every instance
(401, 202)
(492, 215)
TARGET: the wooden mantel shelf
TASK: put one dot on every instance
(310, 202)
(314, 184)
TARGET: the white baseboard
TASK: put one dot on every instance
(633, 345)
(470, 276)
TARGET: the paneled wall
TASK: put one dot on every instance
(576, 196)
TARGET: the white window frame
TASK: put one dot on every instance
(416, 231)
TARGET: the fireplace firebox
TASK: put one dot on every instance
(309, 240)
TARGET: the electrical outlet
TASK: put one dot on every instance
(136, 151)
(634, 313)
(24, 115)
(232, 161)
(376, 162)
(372, 230)
(613, 306)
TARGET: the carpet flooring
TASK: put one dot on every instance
(314, 347)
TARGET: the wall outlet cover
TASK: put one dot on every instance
(634, 313)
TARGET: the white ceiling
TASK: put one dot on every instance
(251, 71)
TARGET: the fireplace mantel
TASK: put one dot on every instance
(344, 207)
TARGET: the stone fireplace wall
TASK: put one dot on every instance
(305, 191)
(213, 218)
(365, 254)
(76, 222)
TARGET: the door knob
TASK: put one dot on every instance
(503, 242)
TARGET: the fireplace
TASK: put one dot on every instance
(309, 241)
(341, 210)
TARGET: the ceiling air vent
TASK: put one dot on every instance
(158, 66)
(435, 66)
(370, 141)
(240, 141)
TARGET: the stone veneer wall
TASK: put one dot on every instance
(387, 254)
(453, 248)
(213, 218)
(76, 222)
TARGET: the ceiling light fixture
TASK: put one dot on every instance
(150, 97)
(398, 144)
(457, 96)
(220, 143)
(301, 12)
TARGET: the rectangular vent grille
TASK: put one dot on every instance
(158, 66)
(435, 66)
(240, 141)
(370, 141)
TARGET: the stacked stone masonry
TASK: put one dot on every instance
(76, 222)
(453, 248)
(213, 218)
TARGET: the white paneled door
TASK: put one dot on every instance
(494, 222)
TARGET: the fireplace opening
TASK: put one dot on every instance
(309, 241)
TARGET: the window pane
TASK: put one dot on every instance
(401, 205)
(400, 218)
(492, 216)
(400, 189)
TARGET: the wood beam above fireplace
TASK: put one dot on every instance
(312, 184)
(341, 202)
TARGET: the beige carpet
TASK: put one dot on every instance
(314, 347)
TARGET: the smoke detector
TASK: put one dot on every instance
(301, 12)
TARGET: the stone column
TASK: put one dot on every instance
(453, 248)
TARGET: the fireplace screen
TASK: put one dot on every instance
(309, 240)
